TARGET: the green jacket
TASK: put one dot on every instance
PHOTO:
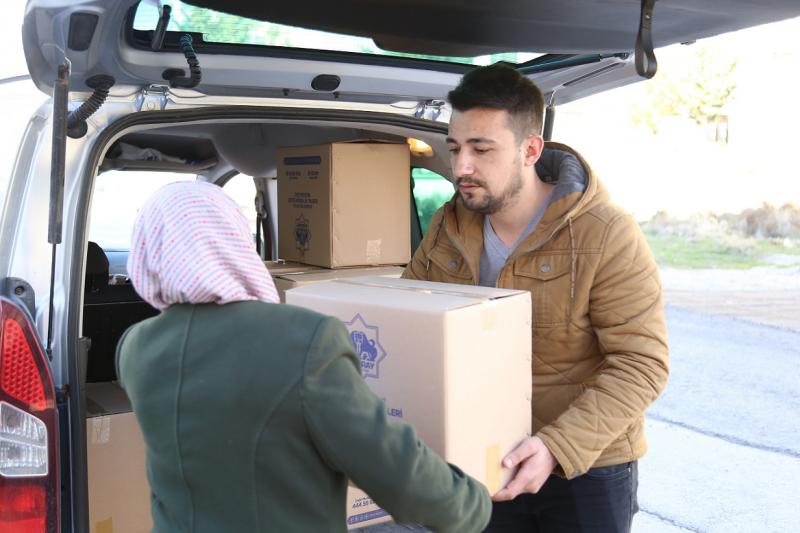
(254, 417)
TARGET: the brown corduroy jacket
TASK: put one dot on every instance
(600, 353)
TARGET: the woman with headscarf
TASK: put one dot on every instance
(254, 413)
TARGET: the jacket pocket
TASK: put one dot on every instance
(548, 278)
(448, 266)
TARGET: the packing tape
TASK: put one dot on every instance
(101, 430)
(104, 526)
(493, 468)
(374, 250)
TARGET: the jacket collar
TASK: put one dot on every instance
(464, 228)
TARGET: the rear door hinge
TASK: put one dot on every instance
(153, 98)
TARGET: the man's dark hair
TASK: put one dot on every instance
(499, 86)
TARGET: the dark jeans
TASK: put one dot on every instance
(601, 501)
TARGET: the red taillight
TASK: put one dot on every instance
(22, 507)
(20, 378)
(28, 474)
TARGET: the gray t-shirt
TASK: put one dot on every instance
(570, 177)
(495, 253)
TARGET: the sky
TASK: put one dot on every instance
(679, 171)
(682, 172)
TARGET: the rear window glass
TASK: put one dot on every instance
(116, 200)
(430, 191)
(221, 28)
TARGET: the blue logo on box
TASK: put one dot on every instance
(366, 341)
(302, 233)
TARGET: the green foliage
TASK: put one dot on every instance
(679, 252)
(225, 28)
(427, 206)
(697, 89)
(430, 191)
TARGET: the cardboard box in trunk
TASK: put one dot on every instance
(344, 204)
(119, 494)
(284, 282)
(452, 360)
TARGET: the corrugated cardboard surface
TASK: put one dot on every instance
(284, 282)
(344, 204)
(119, 495)
(462, 379)
(362, 511)
(288, 267)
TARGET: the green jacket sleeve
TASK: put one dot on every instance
(384, 457)
(628, 318)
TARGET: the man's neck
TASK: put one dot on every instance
(509, 223)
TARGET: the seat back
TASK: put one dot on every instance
(108, 310)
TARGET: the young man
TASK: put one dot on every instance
(532, 215)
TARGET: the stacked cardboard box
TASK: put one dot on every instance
(119, 495)
(344, 204)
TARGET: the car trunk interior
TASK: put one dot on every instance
(214, 151)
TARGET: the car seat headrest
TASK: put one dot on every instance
(96, 268)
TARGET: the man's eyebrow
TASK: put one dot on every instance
(473, 140)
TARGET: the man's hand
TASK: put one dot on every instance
(536, 464)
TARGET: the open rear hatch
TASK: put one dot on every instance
(389, 52)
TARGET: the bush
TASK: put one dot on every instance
(768, 222)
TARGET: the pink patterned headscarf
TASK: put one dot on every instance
(192, 244)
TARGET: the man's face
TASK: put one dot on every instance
(486, 159)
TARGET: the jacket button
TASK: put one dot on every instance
(453, 263)
(545, 268)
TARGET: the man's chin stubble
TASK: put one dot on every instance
(484, 208)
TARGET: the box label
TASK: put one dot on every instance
(302, 160)
(302, 233)
(302, 200)
(369, 515)
(366, 341)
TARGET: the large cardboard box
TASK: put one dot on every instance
(452, 360)
(362, 511)
(344, 204)
(119, 494)
(290, 280)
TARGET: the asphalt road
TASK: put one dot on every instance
(725, 434)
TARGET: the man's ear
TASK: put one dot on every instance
(532, 148)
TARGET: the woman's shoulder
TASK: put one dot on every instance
(290, 323)
(255, 310)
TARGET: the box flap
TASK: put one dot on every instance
(334, 274)
(106, 398)
(403, 293)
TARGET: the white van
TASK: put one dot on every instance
(149, 92)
